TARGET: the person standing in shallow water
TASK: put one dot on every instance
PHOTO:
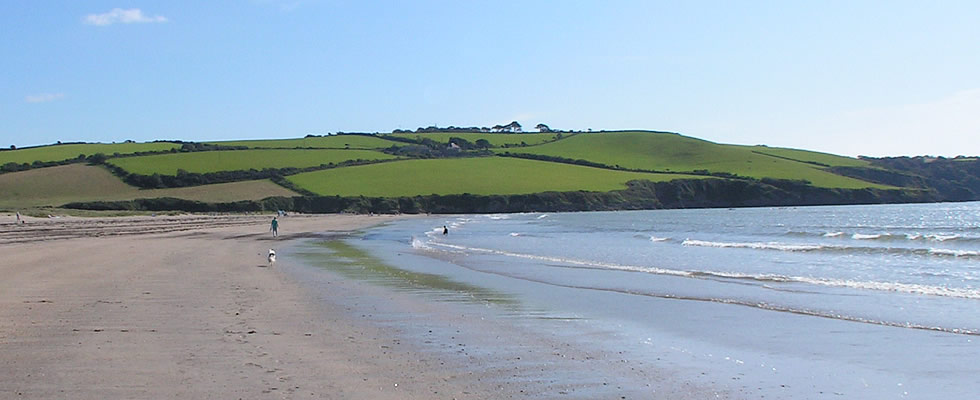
(445, 230)
(275, 227)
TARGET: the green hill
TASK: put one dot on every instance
(509, 171)
(61, 152)
(214, 161)
(495, 139)
(483, 176)
(315, 142)
(670, 152)
(55, 186)
(811, 157)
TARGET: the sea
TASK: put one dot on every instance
(863, 302)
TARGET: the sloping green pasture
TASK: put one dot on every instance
(61, 152)
(481, 176)
(495, 139)
(214, 161)
(324, 142)
(675, 153)
(832, 160)
(56, 186)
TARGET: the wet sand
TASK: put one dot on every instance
(188, 307)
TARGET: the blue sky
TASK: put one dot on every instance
(847, 77)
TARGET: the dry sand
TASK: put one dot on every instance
(186, 307)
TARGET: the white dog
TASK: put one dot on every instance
(272, 256)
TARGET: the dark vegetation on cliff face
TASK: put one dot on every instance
(953, 179)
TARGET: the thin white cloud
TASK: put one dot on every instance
(121, 16)
(44, 97)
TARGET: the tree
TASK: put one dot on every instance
(542, 128)
(12, 147)
(97, 158)
(483, 143)
(514, 126)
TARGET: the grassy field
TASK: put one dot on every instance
(832, 160)
(676, 153)
(325, 142)
(62, 152)
(213, 161)
(485, 176)
(495, 139)
(55, 186)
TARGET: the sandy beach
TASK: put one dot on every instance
(187, 307)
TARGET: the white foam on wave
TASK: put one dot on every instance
(515, 234)
(542, 216)
(955, 253)
(942, 238)
(889, 236)
(498, 216)
(911, 288)
(900, 287)
(419, 244)
(658, 239)
(753, 245)
(571, 261)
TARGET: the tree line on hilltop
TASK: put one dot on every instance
(512, 127)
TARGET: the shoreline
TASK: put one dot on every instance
(578, 332)
(193, 313)
(484, 334)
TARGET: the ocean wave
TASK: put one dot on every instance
(932, 237)
(790, 247)
(910, 288)
(419, 244)
(755, 245)
(888, 236)
(955, 253)
(942, 238)
(899, 287)
(658, 239)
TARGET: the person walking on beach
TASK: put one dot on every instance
(18, 217)
(275, 227)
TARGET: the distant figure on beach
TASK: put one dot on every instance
(445, 230)
(18, 217)
(275, 227)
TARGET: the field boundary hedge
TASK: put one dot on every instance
(184, 178)
(593, 164)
